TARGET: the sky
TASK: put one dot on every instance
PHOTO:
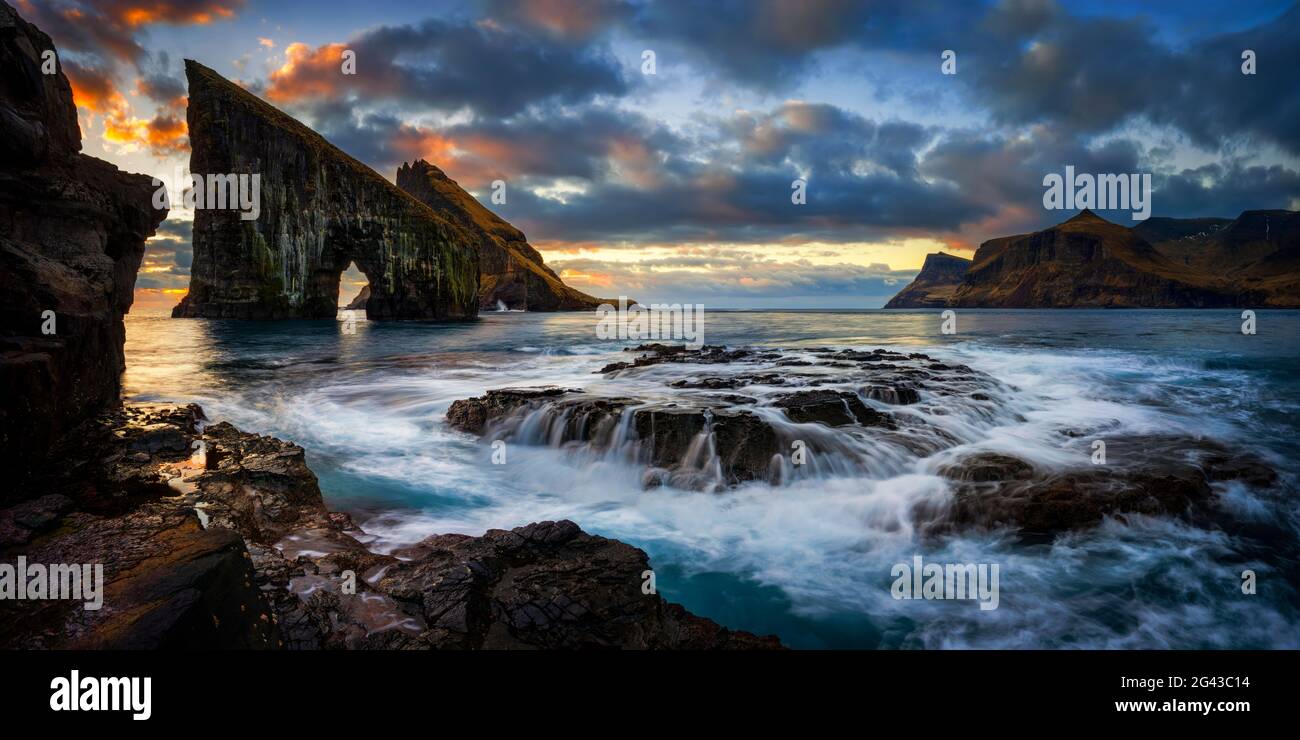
(674, 184)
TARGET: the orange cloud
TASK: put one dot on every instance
(162, 135)
(587, 279)
(134, 14)
(167, 134)
(307, 72)
(93, 90)
(95, 93)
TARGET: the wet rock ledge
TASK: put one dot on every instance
(738, 411)
(215, 538)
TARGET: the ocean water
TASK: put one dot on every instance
(809, 560)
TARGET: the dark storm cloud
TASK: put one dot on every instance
(168, 256)
(161, 88)
(541, 144)
(1227, 189)
(109, 29)
(160, 81)
(573, 21)
(861, 181)
(770, 44)
(1001, 173)
(866, 180)
(449, 65)
(1034, 63)
(1219, 103)
(723, 179)
(1058, 88)
(1024, 61)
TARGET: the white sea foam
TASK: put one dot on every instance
(827, 539)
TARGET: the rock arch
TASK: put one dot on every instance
(319, 209)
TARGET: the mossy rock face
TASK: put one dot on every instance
(511, 272)
(319, 210)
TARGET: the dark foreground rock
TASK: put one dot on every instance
(72, 234)
(213, 538)
(546, 585)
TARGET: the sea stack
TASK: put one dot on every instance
(934, 284)
(72, 234)
(317, 210)
(512, 273)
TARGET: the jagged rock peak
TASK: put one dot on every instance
(512, 272)
(1086, 216)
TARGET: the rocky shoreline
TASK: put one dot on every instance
(215, 538)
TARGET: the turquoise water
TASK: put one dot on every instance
(809, 561)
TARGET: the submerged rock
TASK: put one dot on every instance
(684, 441)
(895, 395)
(699, 439)
(988, 466)
(832, 408)
(473, 414)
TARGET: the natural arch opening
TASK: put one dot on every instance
(354, 288)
